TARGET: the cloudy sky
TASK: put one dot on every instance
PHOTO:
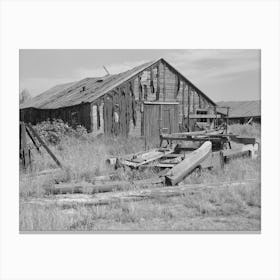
(221, 74)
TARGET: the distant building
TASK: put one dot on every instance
(140, 101)
(241, 111)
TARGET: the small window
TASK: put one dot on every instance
(201, 112)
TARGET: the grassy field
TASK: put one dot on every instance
(230, 208)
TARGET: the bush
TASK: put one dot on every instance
(54, 131)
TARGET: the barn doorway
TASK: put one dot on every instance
(157, 116)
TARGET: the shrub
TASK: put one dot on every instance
(54, 131)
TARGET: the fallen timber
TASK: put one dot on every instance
(109, 186)
(209, 149)
(135, 195)
(193, 160)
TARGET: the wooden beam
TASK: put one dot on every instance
(204, 116)
(138, 195)
(44, 145)
(193, 160)
(160, 103)
(84, 187)
(26, 160)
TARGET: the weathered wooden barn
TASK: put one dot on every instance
(241, 111)
(140, 101)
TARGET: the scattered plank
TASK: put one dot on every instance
(141, 158)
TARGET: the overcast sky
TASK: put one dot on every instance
(224, 75)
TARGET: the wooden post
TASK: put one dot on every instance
(227, 120)
(164, 88)
(215, 121)
(23, 145)
(189, 92)
(183, 103)
(44, 145)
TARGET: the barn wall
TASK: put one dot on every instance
(164, 84)
(74, 115)
(159, 83)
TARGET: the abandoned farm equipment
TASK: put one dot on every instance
(200, 149)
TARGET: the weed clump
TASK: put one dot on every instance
(52, 132)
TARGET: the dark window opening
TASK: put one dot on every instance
(74, 118)
(201, 112)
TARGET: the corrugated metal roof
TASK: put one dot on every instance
(239, 109)
(86, 90)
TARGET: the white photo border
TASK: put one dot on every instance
(132, 24)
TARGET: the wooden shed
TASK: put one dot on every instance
(242, 111)
(138, 102)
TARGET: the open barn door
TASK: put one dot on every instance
(157, 116)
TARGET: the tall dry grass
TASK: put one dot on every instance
(224, 208)
(82, 158)
(250, 130)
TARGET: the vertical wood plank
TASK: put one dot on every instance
(193, 93)
(183, 103)
(23, 141)
(152, 80)
(158, 82)
(164, 85)
(140, 88)
(189, 93)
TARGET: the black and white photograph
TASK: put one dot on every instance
(140, 140)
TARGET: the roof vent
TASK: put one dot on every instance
(83, 88)
(99, 81)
